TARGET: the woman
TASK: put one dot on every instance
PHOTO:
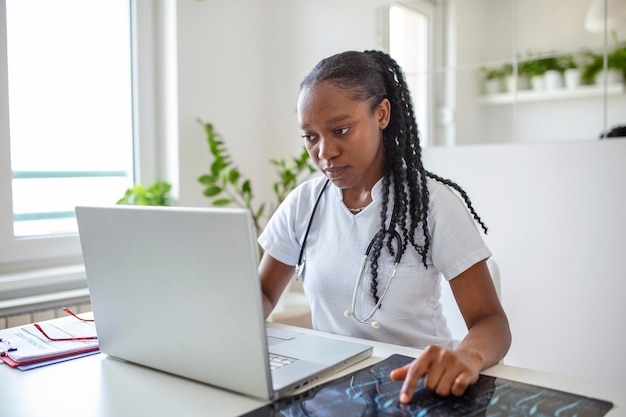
(376, 198)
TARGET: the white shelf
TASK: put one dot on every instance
(528, 96)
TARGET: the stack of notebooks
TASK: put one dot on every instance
(26, 347)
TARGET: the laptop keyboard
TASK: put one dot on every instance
(278, 361)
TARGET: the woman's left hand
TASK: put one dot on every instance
(445, 372)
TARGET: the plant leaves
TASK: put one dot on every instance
(259, 212)
(206, 179)
(155, 195)
(233, 175)
(212, 191)
(225, 177)
(216, 167)
(222, 202)
(246, 187)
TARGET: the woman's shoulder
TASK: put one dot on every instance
(308, 189)
(440, 194)
(437, 189)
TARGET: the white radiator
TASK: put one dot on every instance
(40, 315)
(39, 294)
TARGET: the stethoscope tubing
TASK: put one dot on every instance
(398, 256)
(300, 264)
(352, 312)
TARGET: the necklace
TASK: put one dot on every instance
(356, 210)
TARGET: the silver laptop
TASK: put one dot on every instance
(177, 289)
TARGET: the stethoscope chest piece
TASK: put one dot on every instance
(398, 256)
(300, 269)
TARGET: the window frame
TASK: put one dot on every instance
(33, 265)
(428, 8)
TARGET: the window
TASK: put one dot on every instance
(68, 120)
(409, 42)
(70, 101)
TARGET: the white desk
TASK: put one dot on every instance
(103, 387)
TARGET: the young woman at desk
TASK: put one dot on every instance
(376, 202)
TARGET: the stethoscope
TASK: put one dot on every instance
(351, 313)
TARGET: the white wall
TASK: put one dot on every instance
(556, 227)
(222, 73)
(555, 211)
(239, 67)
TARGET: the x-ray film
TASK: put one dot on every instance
(371, 392)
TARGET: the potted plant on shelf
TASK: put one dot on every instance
(616, 61)
(553, 75)
(533, 70)
(593, 65)
(594, 72)
(509, 79)
(493, 77)
(571, 71)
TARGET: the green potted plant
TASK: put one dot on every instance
(545, 73)
(225, 185)
(493, 77)
(616, 61)
(509, 81)
(157, 194)
(533, 70)
(593, 71)
(553, 76)
(592, 67)
(571, 71)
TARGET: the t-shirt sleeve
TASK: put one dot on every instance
(278, 238)
(456, 241)
(281, 238)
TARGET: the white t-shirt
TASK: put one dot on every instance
(410, 313)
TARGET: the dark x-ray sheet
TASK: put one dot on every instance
(370, 392)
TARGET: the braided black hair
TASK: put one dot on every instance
(373, 76)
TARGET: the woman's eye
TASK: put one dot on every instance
(342, 131)
(307, 138)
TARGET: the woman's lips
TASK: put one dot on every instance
(334, 172)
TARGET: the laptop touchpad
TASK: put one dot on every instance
(274, 340)
(275, 336)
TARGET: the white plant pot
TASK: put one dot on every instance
(552, 80)
(493, 86)
(572, 78)
(537, 83)
(612, 77)
(510, 84)
(523, 83)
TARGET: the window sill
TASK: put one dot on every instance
(41, 289)
(41, 282)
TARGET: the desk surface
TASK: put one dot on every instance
(100, 386)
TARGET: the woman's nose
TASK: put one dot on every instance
(327, 149)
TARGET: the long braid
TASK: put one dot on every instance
(463, 194)
(401, 139)
(373, 76)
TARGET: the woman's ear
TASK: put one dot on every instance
(383, 113)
